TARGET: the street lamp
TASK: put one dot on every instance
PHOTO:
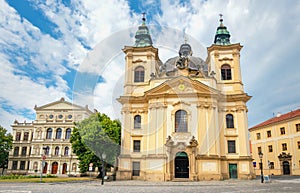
(260, 154)
(103, 167)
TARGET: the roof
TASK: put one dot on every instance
(277, 119)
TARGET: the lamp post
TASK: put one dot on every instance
(103, 167)
(43, 162)
(260, 154)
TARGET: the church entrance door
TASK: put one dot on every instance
(181, 165)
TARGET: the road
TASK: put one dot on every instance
(278, 184)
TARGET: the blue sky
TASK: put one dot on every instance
(44, 46)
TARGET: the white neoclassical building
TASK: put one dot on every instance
(48, 137)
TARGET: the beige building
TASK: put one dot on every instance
(185, 119)
(279, 140)
(49, 137)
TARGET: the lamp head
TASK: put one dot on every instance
(103, 155)
(260, 154)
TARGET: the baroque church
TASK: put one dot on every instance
(185, 119)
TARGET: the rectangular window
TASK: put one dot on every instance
(15, 165)
(136, 145)
(22, 165)
(284, 147)
(24, 150)
(269, 133)
(135, 168)
(282, 130)
(298, 144)
(258, 149)
(298, 127)
(258, 136)
(18, 136)
(16, 151)
(271, 165)
(270, 148)
(231, 146)
(26, 134)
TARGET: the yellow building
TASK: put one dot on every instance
(47, 136)
(185, 119)
(279, 140)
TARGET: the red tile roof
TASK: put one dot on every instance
(277, 119)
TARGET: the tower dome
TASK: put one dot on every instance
(222, 36)
(142, 36)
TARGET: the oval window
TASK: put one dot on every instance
(51, 116)
(60, 116)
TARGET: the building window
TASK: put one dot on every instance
(298, 127)
(18, 136)
(231, 146)
(16, 151)
(135, 168)
(257, 135)
(47, 150)
(24, 150)
(258, 149)
(284, 147)
(56, 151)
(22, 165)
(58, 133)
(271, 165)
(298, 144)
(270, 147)
(26, 135)
(49, 133)
(137, 122)
(229, 121)
(68, 133)
(282, 130)
(226, 72)
(180, 121)
(136, 145)
(269, 134)
(66, 151)
(15, 165)
(139, 74)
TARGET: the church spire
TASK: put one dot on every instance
(142, 36)
(222, 36)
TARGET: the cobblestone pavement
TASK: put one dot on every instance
(276, 185)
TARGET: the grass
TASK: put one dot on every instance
(48, 180)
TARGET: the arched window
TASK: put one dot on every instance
(229, 121)
(226, 72)
(139, 74)
(180, 121)
(66, 151)
(49, 133)
(137, 122)
(68, 133)
(56, 150)
(58, 133)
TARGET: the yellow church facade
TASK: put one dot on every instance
(185, 119)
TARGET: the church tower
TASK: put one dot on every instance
(186, 118)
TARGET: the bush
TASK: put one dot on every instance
(13, 176)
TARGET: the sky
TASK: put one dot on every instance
(73, 49)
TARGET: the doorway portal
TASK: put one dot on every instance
(232, 170)
(54, 168)
(181, 165)
(286, 168)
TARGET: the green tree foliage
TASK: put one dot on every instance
(94, 136)
(5, 147)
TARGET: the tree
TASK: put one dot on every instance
(93, 136)
(5, 147)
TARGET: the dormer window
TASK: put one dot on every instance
(139, 74)
(226, 72)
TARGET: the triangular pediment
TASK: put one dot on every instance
(181, 86)
(60, 105)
